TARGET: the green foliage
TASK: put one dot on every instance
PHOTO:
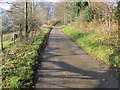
(7, 29)
(86, 15)
(75, 10)
(5, 23)
(98, 15)
(18, 69)
(76, 7)
(117, 14)
(96, 48)
(6, 44)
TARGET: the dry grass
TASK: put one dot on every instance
(9, 36)
(101, 28)
(95, 25)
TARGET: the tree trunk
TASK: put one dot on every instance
(20, 33)
(64, 19)
(118, 12)
(32, 6)
(1, 41)
(32, 11)
(94, 18)
(26, 19)
(109, 25)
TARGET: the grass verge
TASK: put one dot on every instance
(96, 46)
(19, 66)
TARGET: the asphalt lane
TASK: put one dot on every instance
(66, 65)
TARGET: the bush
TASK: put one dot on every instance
(86, 15)
(7, 30)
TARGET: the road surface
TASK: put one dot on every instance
(66, 65)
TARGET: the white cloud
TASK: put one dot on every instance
(5, 6)
(52, 0)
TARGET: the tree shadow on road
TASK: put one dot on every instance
(106, 80)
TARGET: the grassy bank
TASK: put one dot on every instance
(100, 47)
(20, 61)
(6, 44)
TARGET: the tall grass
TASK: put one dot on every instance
(94, 25)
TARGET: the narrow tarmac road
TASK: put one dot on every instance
(66, 65)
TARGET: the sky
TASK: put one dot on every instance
(7, 7)
(4, 5)
(53, 0)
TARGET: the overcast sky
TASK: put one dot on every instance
(7, 6)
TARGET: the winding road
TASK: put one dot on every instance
(66, 65)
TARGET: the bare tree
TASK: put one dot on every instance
(106, 10)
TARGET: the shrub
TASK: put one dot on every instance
(86, 15)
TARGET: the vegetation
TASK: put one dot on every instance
(21, 48)
(95, 28)
(92, 42)
(87, 15)
(20, 62)
(25, 17)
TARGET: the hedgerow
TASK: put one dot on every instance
(18, 68)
